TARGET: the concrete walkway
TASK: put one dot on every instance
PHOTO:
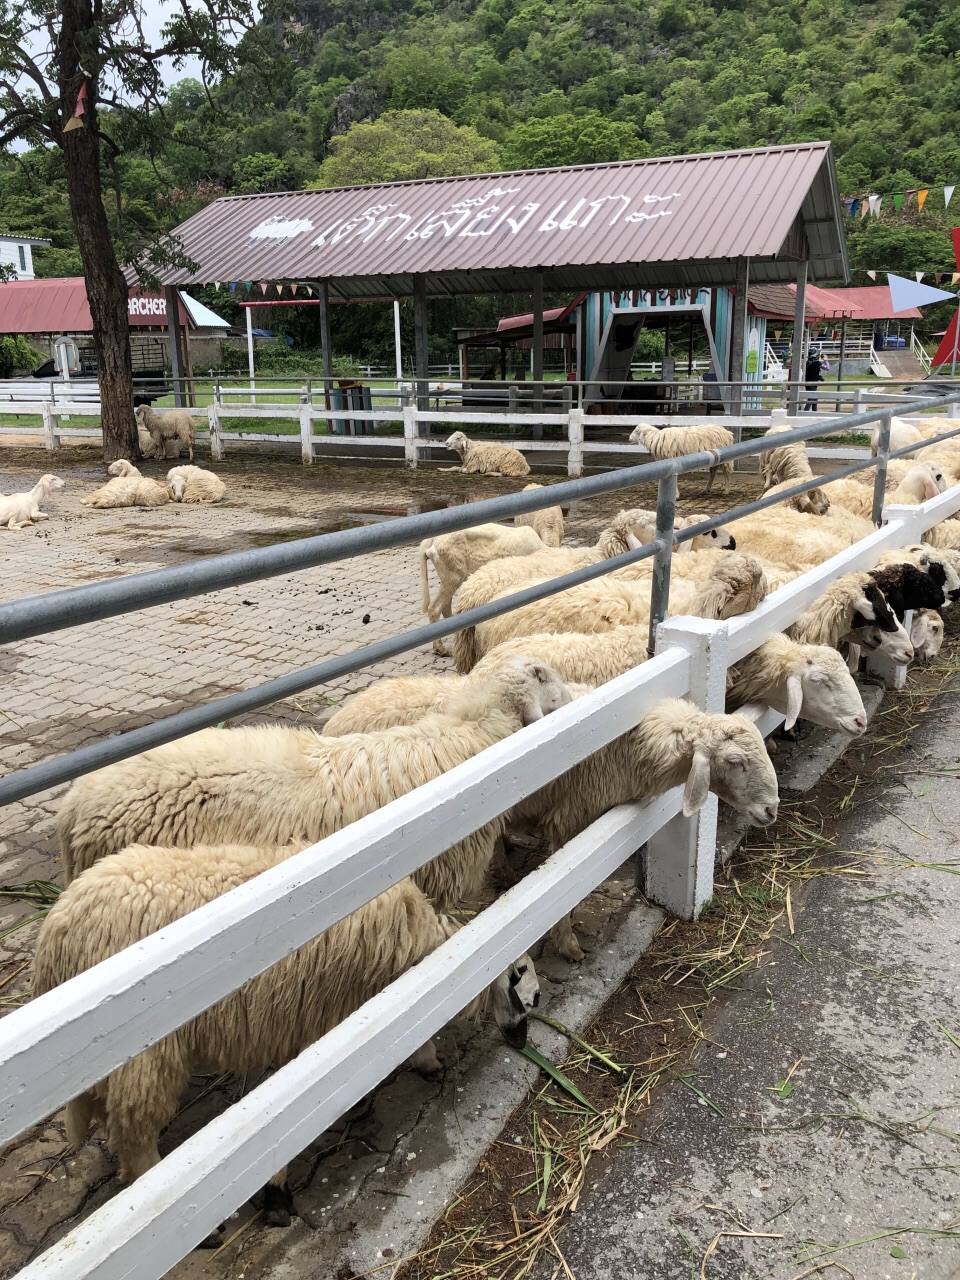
(850, 1169)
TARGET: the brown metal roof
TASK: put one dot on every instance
(778, 302)
(677, 220)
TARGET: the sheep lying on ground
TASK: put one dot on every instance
(676, 442)
(20, 509)
(486, 457)
(946, 456)
(128, 488)
(674, 744)
(808, 681)
(274, 785)
(901, 434)
(897, 470)
(548, 523)
(194, 484)
(174, 424)
(945, 536)
(853, 611)
(455, 556)
(936, 426)
(272, 1017)
(926, 634)
(736, 584)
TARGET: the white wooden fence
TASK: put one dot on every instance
(57, 1045)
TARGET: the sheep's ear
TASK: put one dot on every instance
(794, 701)
(633, 542)
(698, 783)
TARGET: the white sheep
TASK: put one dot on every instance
(455, 556)
(901, 434)
(128, 488)
(276, 785)
(799, 541)
(799, 680)
(788, 465)
(929, 427)
(548, 522)
(149, 448)
(946, 456)
(486, 457)
(677, 442)
(926, 634)
(20, 509)
(272, 1017)
(173, 424)
(854, 612)
(194, 484)
(674, 744)
(918, 484)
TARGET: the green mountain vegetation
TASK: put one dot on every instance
(379, 89)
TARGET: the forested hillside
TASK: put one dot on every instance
(374, 88)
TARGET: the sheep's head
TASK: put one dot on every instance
(177, 484)
(730, 758)
(821, 689)
(524, 687)
(642, 435)
(926, 634)
(122, 467)
(514, 993)
(814, 502)
(906, 586)
(635, 528)
(50, 483)
(457, 443)
(717, 539)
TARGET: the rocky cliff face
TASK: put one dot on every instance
(358, 103)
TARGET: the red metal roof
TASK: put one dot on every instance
(675, 220)
(873, 303)
(778, 301)
(61, 306)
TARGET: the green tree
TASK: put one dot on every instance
(416, 77)
(66, 69)
(261, 172)
(589, 138)
(405, 145)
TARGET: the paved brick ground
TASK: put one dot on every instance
(65, 690)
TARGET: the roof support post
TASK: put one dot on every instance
(738, 342)
(421, 359)
(175, 341)
(537, 344)
(796, 347)
(326, 347)
(843, 352)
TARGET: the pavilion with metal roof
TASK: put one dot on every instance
(764, 215)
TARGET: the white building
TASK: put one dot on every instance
(17, 252)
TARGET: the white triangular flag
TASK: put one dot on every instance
(216, 284)
(872, 275)
(948, 195)
(875, 202)
(919, 275)
(907, 293)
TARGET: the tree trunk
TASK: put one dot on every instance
(106, 285)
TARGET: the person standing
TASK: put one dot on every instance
(812, 374)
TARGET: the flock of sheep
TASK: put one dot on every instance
(160, 435)
(152, 838)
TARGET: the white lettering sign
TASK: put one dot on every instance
(277, 228)
(147, 307)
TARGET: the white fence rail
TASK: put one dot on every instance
(60, 1043)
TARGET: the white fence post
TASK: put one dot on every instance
(575, 437)
(51, 438)
(681, 856)
(411, 451)
(306, 434)
(216, 438)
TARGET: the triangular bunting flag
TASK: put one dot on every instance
(233, 286)
(854, 208)
(279, 290)
(937, 277)
(921, 197)
(293, 289)
(910, 195)
(898, 201)
(875, 203)
(248, 285)
(263, 287)
(955, 277)
(919, 275)
(948, 195)
(908, 293)
(864, 209)
(216, 284)
(948, 344)
(872, 275)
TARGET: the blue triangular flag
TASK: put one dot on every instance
(910, 293)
